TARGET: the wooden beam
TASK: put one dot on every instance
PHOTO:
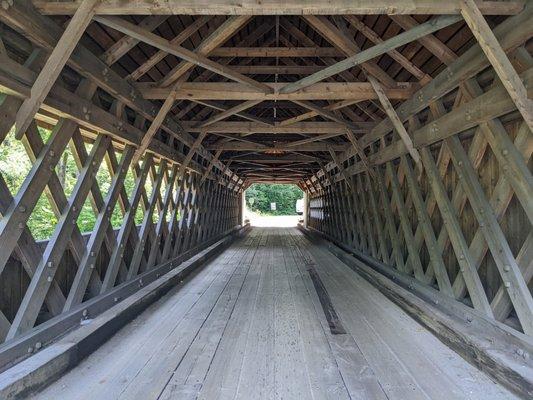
(155, 125)
(501, 252)
(327, 114)
(244, 115)
(339, 38)
(229, 112)
(350, 128)
(44, 32)
(396, 122)
(215, 39)
(430, 42)
(360, 152)
(395, 54)
(17, 80)
(492, 104)
(248, 128)
(53, 66)
(210, 167)
(459, 243)
(313, 139)
(511, 33)
(275, 7)
(126, 43)
(240, 146)
(181, 52)
(160, 54)
(259, 52)
(237, 91)
(276, 159)
(497, 57)
(302, 117)
(191, 153)
(431, 26)
(277, 69)
(302, 38)
(45, 271)
(340, 167)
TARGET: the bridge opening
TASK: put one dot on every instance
(275, 200)
(274, 204)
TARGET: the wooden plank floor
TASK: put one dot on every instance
(250, 325)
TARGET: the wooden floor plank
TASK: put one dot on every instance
(321, 365)
(358, 376)
(150, 381)
(222, 378)
(256, 378)
(191, 371)
(393, 341)
(250, 325)
(135, 343)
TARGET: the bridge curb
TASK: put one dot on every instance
(63, 354)
(491, 347)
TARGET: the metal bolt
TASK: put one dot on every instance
(22, 209)
(38, 345)
(507, 284)
(49, 279)
(6, 4)
(520, 352)
(506, 268)
(505, 152)
(85, 313)
(50, 264)
(116, 299)
(469, 318)
(30, 349)
(21, 225)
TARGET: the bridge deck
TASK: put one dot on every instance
(252, 325)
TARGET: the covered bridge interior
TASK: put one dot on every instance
(408, 125)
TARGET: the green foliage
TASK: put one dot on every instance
(15, 165)
(260, 195)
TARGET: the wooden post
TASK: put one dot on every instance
(497, 57)
(54, 65)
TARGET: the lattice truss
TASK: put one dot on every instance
(182, 196)
(410, 133)
(458, 218)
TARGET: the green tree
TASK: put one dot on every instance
(260, 195)
(15, 165)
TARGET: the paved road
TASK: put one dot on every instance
(284, 221)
